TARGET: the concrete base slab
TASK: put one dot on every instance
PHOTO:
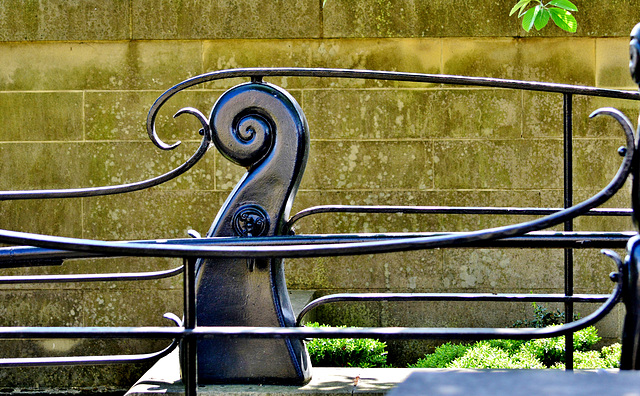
(164, 378)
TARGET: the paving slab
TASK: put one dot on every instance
(164, 378)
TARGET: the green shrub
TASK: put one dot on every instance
(611, 355)
(543, 317)
(442, 356)
(346, 352)
(511, 346)
(483, 355)
(551, 350)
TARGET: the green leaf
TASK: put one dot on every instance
(529, 17)
(564, 19)
(564, 4)
(542, 19)
(519, 6)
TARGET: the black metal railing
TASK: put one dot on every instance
(529, 234)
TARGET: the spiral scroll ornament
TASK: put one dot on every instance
(244, 130)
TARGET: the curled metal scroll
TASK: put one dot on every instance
(95, 360)
(123, 188)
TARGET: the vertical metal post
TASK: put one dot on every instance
(189, 344)
(567, 102)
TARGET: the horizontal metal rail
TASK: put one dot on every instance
(107, 277)
(395, 209)
(536, 239)
(458, 297)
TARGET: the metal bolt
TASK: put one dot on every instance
(622, 151)
(615, 277)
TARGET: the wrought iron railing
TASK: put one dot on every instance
(255, 245)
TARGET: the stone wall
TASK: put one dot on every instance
(77, 78)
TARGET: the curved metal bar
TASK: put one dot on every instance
(87, 360)
(535, 239)
(121, 188)
(423, 297)
(108, 277)
(445, 210)
(94, 360)
(259, 73)
(144, 249)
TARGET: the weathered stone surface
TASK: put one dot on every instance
(157, 214)
(568, 61)
(41, 165)
(485, 270)
(612, 69)
(41, 308)
(64, 217)
(122, 115)
(358, 273)
(413, 114)
(543, 116)
(407, 55)
(405, 18)
(368, 165)
(613, 18)
(104, 65)
(117, 162)
(595, 162)
(518, 164)
(330, 223)
(153, 19)
(109, 308)
(42, 116)
(64, 20)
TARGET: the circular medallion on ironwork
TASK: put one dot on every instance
(251, 220)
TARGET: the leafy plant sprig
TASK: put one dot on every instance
(559, 11)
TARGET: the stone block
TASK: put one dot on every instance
(591, 271)
(192, 20)
(613, 18)
(510, 198)
(622, 199)
(40, 165)
(543, 116)
(504, 270)
(42, 116)
(569, 61)
(412, 114)
(330, 223)
(157, 214)
(118, 162)
(612, 67)
(41, 308)
(113, 307)
(122, 115)
(63, 217)
(369, 165)
(407, 55)
(355, 273)
(55, 20)
(103, 65)
(498, 58)
(497, 164)
(56, 379)
(359, 314)
(343, 18)
(590, 155)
